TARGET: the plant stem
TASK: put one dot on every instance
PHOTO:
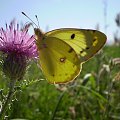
(57, 105)
(8, 99)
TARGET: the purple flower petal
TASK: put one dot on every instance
(18, 42)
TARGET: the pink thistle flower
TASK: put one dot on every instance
(18, 47)
(20, 43)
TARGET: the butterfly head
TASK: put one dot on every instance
(38, 34)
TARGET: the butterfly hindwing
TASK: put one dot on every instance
(85, 42)
(58, 60)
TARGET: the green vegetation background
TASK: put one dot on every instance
(94, 95)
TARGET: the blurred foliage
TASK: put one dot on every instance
(116, 37)
(94, 95)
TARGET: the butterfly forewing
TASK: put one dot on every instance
(86, 43)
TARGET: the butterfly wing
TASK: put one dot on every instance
(85, 42)
(58, 61)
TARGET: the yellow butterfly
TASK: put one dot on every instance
(63, 51)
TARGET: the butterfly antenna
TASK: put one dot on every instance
(29, 19)
(37, 21)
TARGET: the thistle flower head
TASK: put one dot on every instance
(17, 47)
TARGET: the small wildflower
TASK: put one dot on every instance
(116, 61)
(17, 47)
(117, 77)
(61, 87)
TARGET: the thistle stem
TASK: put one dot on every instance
(7, 100)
